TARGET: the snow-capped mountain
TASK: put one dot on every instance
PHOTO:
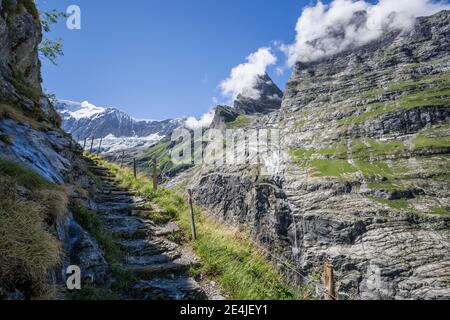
(117, 130)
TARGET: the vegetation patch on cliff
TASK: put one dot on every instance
(240, 122)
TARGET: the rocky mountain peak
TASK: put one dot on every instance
(269, 100)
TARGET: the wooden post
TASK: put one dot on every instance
(100, 146)
(155, 175)
(191, 206)
(330, 293)
(121, 161)
(84, 145)
(134, 168)
(92, 145)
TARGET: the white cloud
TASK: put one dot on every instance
(204, 122)
(244, 77)
(279, 71)
(324, 30)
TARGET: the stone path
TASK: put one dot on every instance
(161, 266)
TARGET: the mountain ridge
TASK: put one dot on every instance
(117, 129)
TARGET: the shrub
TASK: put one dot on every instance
(6, 139)
(54, 203)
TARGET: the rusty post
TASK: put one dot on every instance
(100, 146)
(155, 175)
(121, 161)
(191, 206)
(330, 293)
(134, 168)
(92, 145)
(84, 145)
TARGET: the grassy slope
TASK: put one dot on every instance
(160, 152)
(227, 256)
(28, 250)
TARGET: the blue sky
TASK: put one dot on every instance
(158, 59)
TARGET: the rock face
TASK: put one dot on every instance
(30, 134)
(223, 115)
(20, 77)
(269, 100)
(363, 171)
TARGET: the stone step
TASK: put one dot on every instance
(153, 246)
(178, 288)
(157, 270)
(179, 260)
(124, 193)
(111, 189)
(165, 229)
(131, 234)
(98, 169)
(126, 227)
(110, 198)
(145, 260)
(122, 207)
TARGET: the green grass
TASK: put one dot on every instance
(430, 90)
(373, 110)
(379, 168)
(400, 204)
(338, 150)
(338, 168)
(419, 84)
(331, 168)
(360, 149)
(427, 98)
(441, 211)
(367, 148)
(226, 256)
(301, 154)
(23, 176)
(426, 142)
(371, 94)
(386, 186)
(160, 152)
(88, 293)
(434, 137)
(240, 122)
